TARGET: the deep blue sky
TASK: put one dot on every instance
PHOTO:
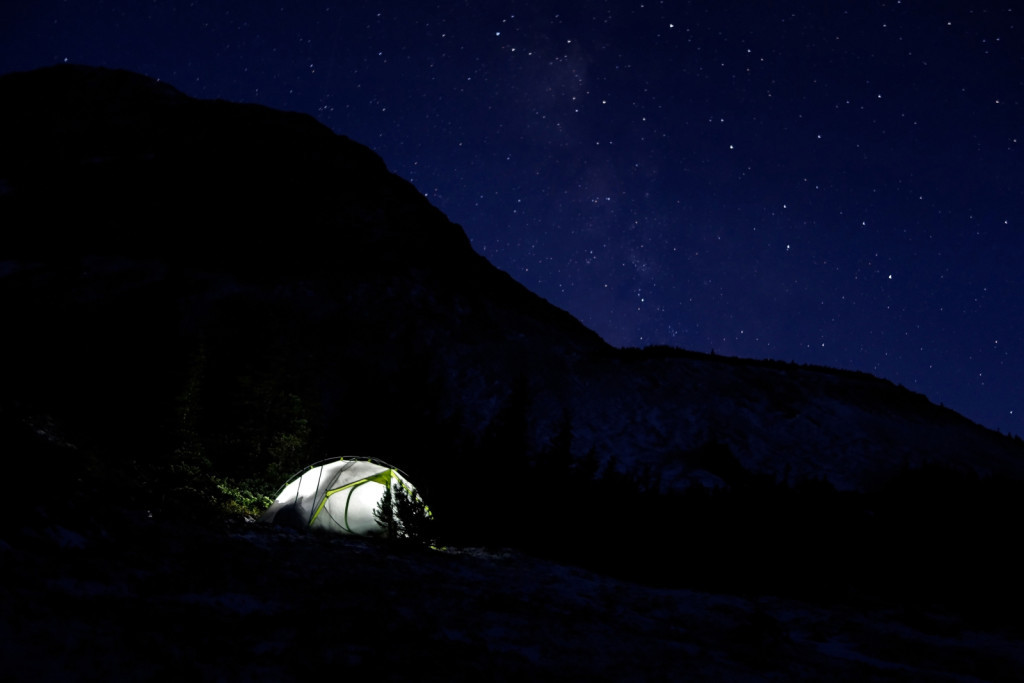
(840, 185)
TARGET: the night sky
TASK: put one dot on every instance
(840, 185)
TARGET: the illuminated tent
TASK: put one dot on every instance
(340, 496)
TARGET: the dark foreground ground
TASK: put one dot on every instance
(132, 598)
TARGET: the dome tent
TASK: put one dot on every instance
(342, 496)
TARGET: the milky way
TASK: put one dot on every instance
(837, 186)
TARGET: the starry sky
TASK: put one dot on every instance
(831, 183)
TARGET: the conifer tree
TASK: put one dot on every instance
(403, 516)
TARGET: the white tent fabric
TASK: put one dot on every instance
(340, 496)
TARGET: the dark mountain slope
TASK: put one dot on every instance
(198, 298)
(110, 163)
(135, 216)
(201, 284)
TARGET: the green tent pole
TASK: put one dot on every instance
(312, 507)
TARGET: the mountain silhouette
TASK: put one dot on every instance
(200, 298)
(244, 285)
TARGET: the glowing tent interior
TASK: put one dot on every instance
(342, 496)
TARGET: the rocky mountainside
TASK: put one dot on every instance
(150, 219)
(199, 298)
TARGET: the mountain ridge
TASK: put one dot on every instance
(209, 211)
(197, 301)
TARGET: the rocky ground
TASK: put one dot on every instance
(134, 598)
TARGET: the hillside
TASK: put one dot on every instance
(125, 200)
(201, 297)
